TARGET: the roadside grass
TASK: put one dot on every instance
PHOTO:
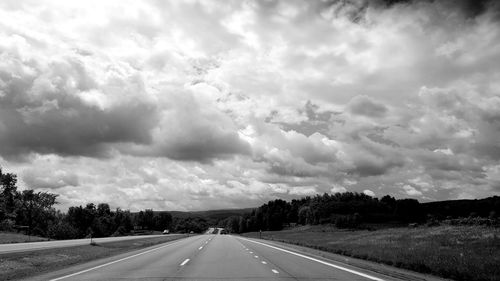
(13, 237)
(464, 253)
(28, 264)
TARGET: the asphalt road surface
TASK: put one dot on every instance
(21, 247)
(214, 257)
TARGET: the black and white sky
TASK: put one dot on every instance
(192, 105)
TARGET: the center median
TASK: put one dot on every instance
(15, 266)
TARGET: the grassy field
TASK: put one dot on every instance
(469, 253)
(12, 237)
(25, 264)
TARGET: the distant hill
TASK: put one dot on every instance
(210, 214)
(464, 208)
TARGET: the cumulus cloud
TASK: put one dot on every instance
(49, 179)
(59, 104)
(338, 189)
(365, 106)
(249, 101)
(411, 191)
(192, 128)
(369, 192)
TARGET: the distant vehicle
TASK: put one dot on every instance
(166, 231)
(223, 231)
(191, 232)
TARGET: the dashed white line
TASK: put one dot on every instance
(263, 262)
(256, 257)
(317, 260)
(251, 252)
(200, 248)
(184, 262)
(275, 271)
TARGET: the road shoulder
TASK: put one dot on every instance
(370, 266)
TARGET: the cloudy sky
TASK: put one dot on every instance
(192, 105)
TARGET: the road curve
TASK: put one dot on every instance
(32, 246)
(215, 257)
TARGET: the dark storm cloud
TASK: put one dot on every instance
(364, 105)
(193, 129)
(470, 8)
(373, 159)
(73, 130)
(204, 145)
(44, 113)
(317, 121)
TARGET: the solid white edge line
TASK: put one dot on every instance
(112, 262)
(184, 262)
(317, 260)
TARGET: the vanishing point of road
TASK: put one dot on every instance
(214, 257)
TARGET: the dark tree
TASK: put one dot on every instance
(36, 210)
(8, 192)
(163, 221)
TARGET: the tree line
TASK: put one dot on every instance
(358, 210)
(34, 213)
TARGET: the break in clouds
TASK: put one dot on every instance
(188, 105)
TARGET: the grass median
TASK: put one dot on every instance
(25, 264)
(469, 253)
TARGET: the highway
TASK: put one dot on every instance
(21, 247)
(214, 257)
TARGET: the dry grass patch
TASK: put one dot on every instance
(12, 237)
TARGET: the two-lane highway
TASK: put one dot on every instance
(216, 257)
(33, 246)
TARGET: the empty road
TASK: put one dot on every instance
(214, 257)
(32, 246)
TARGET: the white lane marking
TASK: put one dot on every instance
(109, 263)
(184, 262)
(256, 257)
(316, 260)
(200, 248)
(251, 252)
(275, 271)
(263, 262)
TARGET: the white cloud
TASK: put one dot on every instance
(248, 101)
(338, 189)
(410, 190)
(369, 192)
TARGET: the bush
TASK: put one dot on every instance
(348, 221)
(121, 231)
(7, 225)
(473, 221)
(62, 230)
